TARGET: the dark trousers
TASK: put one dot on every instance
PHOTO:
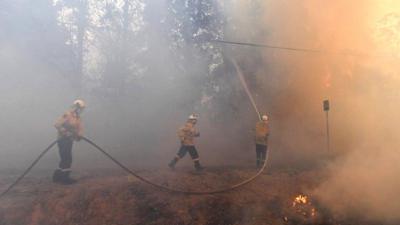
(182, 152)
(192, 152)
(261, 152)
(65, 151)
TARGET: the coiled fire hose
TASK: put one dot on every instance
(126, 169)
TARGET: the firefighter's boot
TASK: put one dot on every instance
(66, 179)
(197, 166)
(173, 163)
(57, 176)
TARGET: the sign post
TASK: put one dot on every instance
(326, 109)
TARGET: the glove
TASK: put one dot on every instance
(182, 140)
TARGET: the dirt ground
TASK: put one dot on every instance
(113, 198)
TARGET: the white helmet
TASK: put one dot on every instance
(80, 103)
(264, 117)
(193, 117)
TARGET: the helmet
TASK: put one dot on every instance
(193, 117)
(80, 103)
(264, 117)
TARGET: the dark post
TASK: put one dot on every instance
(326, 109)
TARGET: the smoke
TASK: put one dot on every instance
(134, 113)
(139, 126)
(359, 76)
(364, 184)
(31, 95)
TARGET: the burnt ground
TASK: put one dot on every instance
(117, 199)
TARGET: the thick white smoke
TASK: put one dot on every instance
(363, 90)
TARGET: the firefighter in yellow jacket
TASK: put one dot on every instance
(69, 127)
(262, 133)
(186, 134)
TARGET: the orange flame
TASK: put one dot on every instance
(304, 206)
(313, 212)
(300, 199)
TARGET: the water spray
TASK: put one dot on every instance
(246, 88)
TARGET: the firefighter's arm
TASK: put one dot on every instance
(256, 132)
(267, 133)
(181, 135)
(194, 133)
(79, 131)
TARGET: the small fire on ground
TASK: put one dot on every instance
(302, 210)
(303, 205)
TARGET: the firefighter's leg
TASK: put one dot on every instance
(63, 146)
(57, 173)
(263, 154)
(195, 156)
(181, 153)
(258, 155)
(65, 150)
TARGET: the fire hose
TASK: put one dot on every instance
(176, 190)
(27, 170)
(129, 171)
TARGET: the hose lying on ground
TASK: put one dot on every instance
(176, 190)
(27, 170)
(165, 188)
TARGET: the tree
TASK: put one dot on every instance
(36, 32)
(74, 15)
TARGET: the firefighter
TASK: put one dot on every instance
(186, 134)
(69, 129)
(261, 138)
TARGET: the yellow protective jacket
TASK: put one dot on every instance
(187, 133)
(69, 125)
(262, 132)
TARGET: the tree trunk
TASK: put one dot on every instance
(82, 26)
